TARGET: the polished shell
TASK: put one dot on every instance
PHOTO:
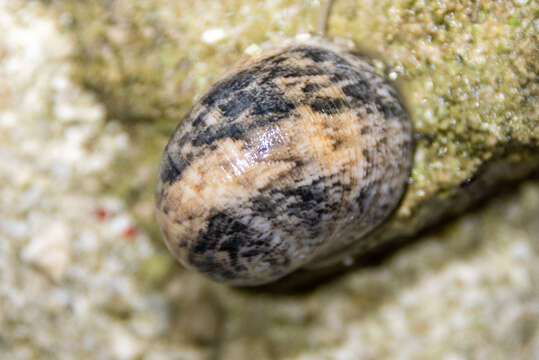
(289, 158)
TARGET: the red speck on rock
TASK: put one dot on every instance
(101, 213)
(129, 233)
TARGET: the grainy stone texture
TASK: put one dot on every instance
(90, 92)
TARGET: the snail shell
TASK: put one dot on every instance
(291, 157)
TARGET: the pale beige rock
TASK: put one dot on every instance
(49, 250)
(466, 291)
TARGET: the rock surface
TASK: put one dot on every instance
(90, 93)
(466, 70)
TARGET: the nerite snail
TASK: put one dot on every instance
(289, 158)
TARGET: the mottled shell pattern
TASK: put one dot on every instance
(289, 158)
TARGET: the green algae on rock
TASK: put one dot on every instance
(148, 61)
(467, 71)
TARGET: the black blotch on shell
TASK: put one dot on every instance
(169, 171)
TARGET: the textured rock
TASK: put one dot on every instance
(467, 71)
(468, 289)
(49, 250)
